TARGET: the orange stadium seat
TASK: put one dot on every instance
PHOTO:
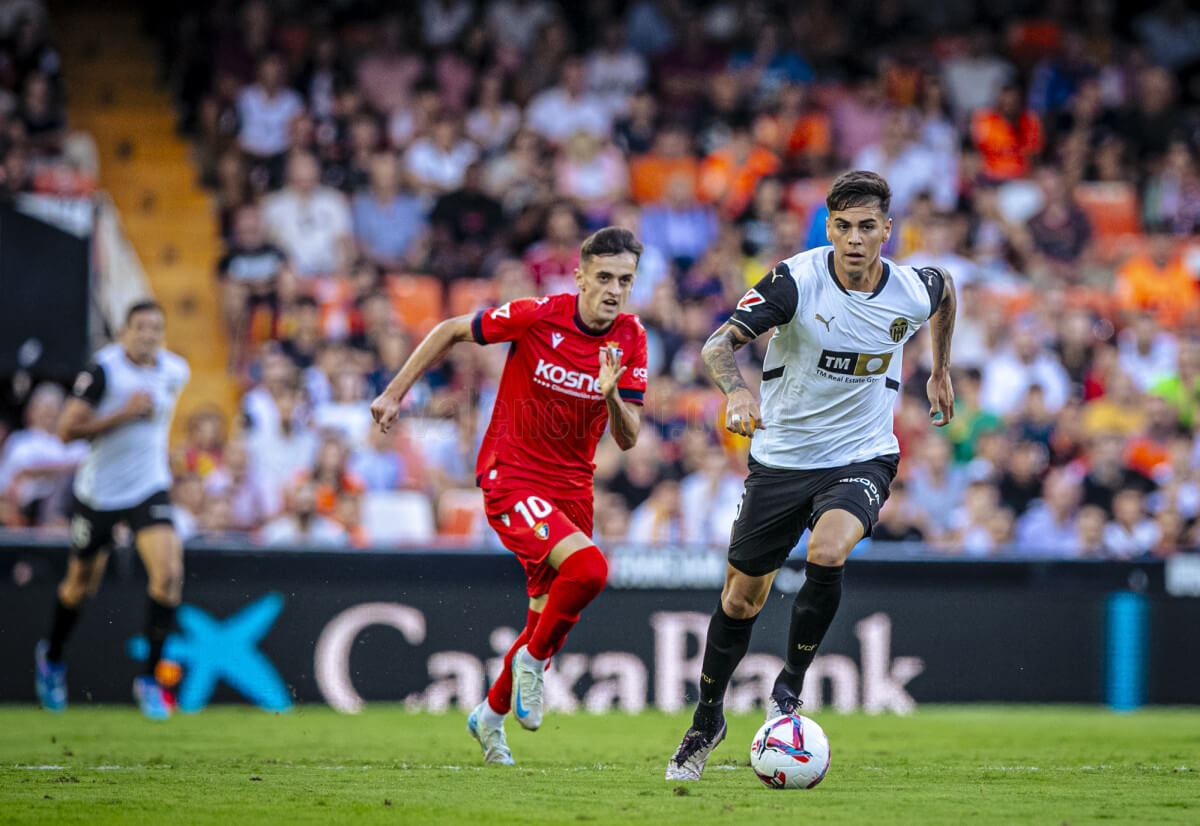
(460, 514)
(470, 294)
(1112, 207)
(417, 300)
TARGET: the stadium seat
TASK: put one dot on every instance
(467, 295)
(460, 514)
(392, 517)
(1112, 207)
(417, 300)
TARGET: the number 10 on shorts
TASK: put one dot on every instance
(533, 509)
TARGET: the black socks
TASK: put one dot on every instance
(64, 622)
(727, 641)
(160, 621)
(812, 612)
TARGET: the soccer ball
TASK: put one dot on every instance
(790, 752)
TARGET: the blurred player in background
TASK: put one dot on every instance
(577, 364)
(123, 404)
(823, 453)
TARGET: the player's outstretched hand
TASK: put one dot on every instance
(610, 373)
(384, 410)
(742, 415)
(941, 399)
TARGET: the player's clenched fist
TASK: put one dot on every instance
(742, 415)
(610, 372)
(384, 410)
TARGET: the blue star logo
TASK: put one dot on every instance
(210, 650)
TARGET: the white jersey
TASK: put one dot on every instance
(832, 368)
(127, 464)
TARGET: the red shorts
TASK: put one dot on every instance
(531, 524)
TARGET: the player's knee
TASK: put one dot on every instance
(738, 605)
(166, 584)
(72, 592)
(828, 552)
(589, 568)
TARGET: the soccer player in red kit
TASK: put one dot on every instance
(576, 364)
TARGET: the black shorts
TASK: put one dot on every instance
(779, 504)
(92, 530)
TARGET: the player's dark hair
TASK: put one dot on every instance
(610, 241)
(859, 188)
(143, 306)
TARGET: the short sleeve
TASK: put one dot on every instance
(632, 384)
(89, 385)
(770, 303)
(935, 284)
(507, 322)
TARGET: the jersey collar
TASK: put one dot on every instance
(883, 279)
(583, 328)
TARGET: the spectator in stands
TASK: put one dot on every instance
(1008, 137)
(1119, 410)
(1092, 524)
(35, 465)
(1181, 387)
(592, 173)
(709, 499)
(301, 524)
(613, 71)
(684, 72)
(938, 248)
(304, 336)
(935, 478)
(237, 483)
(657, 521)
(671, 159)
(377, 462)
(723, 106)
(1130, 532)
(515, 23)
(1050, 529)
(1159, 281)
(1008, 376)
(1154, 117)
(41, 115)
(187, 500)
(347, 413)
(730, 173)
(971, 524)
(437, 163)
(311, 223)
(203, 450)
(679, 226)
(1108, 474)
(797, 131)
(908, 166)
(635, 133)
(280, 454)
(1021, 481)
(1060, 232)
(388, 73)
(389, 224)
(519, 179)
(493, 119)
(1145, 351)
(900, 519)
(250, 271)
(444, 21)
(1171, 33)
(1171, 197)
(560, 111)
(553, 261)
(468, 224)
(974, 80)
(265, 114)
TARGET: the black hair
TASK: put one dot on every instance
(858, 188)
(144, 306)
(610, 241)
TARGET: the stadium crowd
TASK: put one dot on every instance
(377, 171)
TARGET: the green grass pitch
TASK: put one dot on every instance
(951, 765)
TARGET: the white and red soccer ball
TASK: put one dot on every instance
(790, 752)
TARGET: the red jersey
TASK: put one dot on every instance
(549, 411)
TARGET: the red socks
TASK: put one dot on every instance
(500, 694)
(580, 579)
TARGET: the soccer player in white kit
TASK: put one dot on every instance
(123, 404)
(823, 452)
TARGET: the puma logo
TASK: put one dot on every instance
(821, 319)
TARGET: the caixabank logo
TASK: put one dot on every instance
(210, 650)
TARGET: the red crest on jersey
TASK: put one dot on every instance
(749, 300)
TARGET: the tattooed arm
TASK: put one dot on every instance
(742, 415)
(941, 326)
